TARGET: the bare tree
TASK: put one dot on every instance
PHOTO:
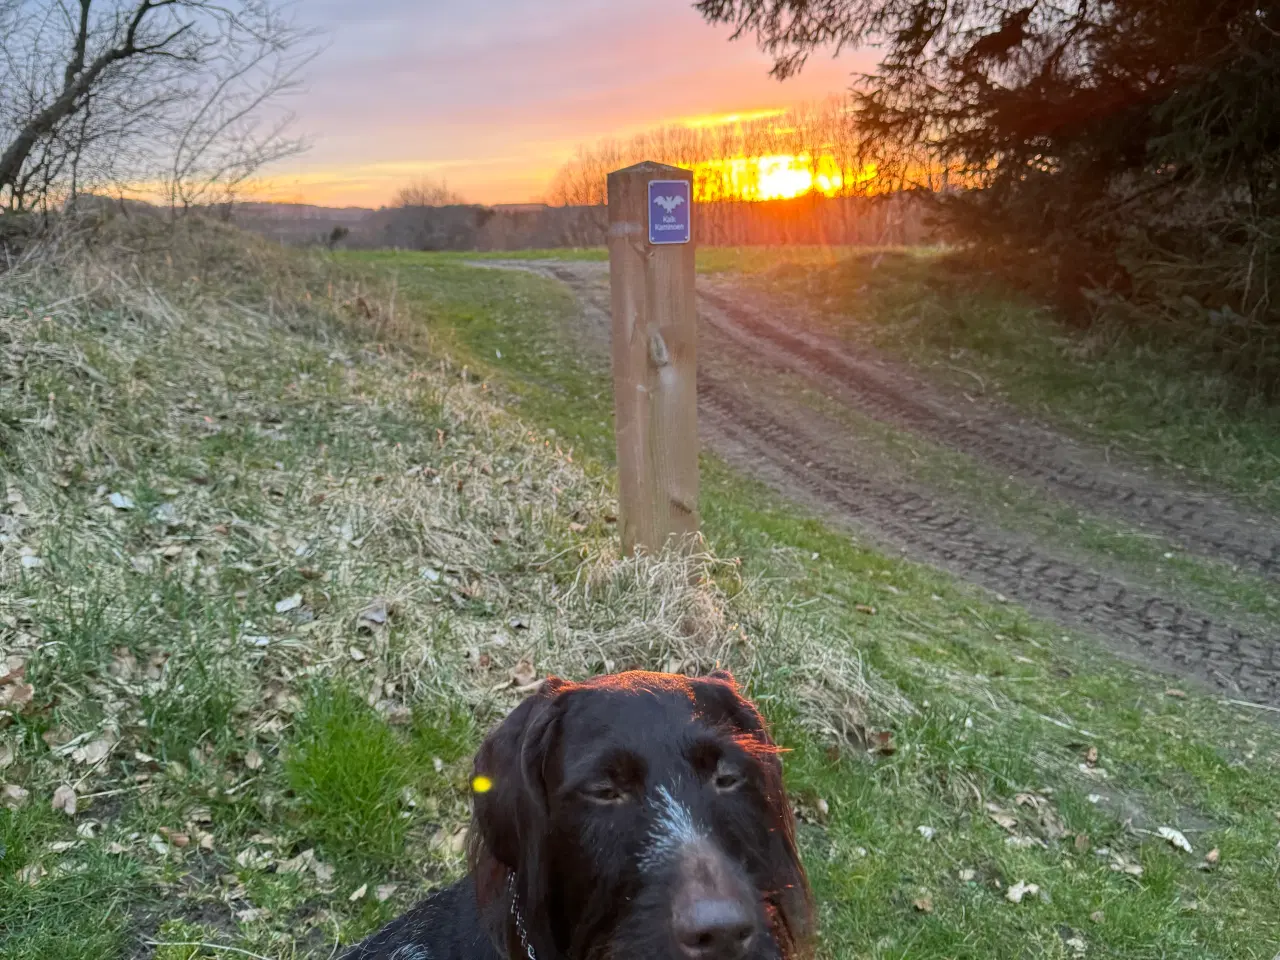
(176, 98)
(426, 193)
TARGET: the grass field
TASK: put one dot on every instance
(278, 533)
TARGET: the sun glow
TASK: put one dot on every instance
(776, 177)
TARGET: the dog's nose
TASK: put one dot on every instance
(714, 929)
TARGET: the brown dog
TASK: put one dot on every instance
(639, 816)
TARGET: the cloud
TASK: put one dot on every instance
(495, 94)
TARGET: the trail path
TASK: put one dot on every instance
(812, 457)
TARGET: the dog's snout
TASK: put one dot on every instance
(714, 929)
(714, 916)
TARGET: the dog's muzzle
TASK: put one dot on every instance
(715, 914)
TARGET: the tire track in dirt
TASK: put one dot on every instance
(799, 452)
(1067, 469)
(798, 462)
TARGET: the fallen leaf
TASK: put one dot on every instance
(120, 501)
(123, 664)
(115, 848)
(1091, 756)
(64, 800)
(1176, 838)
(1098, 916)
(927, 832)
(1006, 820)
(252, 914)
(7, 755)
(359, 893)
(865, 609)
(1021, 889)
(524, 673)
(1121, 865)
(93, 753)
(88, 830)
(179, 840)
(16, 696)
(32, 874)
(323, 871)
(1211, 858)
(1179, 694)
(158, 846)
(385, 892)
(253, 760)
(1093, 773)
(1023, 843)
(251, 858)
(289, 603)
(301, 862)
(967, 876)
(923, 904)
(881, 742)
(374, 615)
(62, 846)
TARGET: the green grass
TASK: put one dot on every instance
(984, 679)
(349, 770)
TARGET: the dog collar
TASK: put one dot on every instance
(519, 918)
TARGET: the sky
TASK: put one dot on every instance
(492, 96)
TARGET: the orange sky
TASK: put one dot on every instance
(493, 95)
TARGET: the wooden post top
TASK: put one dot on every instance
(652, 168)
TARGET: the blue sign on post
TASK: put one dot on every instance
(670, 211)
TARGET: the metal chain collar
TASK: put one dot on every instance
(519, 918)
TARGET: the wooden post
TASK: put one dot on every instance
(654, 354)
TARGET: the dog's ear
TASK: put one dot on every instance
(510, 820)
(725, 675)
(510, 792)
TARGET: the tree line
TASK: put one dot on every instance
(1127, 149)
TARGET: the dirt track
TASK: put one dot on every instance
(808, 456)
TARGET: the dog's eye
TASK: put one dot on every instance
(604, 793)
(726, 779)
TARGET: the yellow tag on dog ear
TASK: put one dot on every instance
(481, 784)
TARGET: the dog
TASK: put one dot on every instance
(637, 816)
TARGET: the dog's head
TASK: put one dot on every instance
(637, 817)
